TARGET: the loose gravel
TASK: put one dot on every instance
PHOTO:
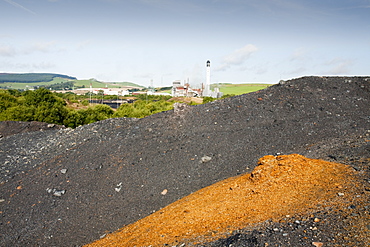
(118, 171)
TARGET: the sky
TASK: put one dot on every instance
(155, 42)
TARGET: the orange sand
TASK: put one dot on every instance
(279, 186)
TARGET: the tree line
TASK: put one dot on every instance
(42, 105)
(45, 106)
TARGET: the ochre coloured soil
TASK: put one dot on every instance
(279, 186)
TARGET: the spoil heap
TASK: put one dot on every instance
(70, 187)
(279, 186)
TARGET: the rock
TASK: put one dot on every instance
(205, 159)
(180, 108)
(164, 192)
(56, 192)
(317, 244)
(119, 187)
(63, 171)
(59, 192)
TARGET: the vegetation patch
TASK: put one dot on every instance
(237, 89)
(31, 77)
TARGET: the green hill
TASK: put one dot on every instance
(94, 83)
(31, 77)
(35, 80)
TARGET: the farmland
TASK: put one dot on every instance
(238, 89)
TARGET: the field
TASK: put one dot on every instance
(17, 85)
(238, 89)
(77, 83)
(98, 84)
(86, 83)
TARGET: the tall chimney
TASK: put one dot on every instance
(207, 86)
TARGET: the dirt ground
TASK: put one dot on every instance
(71, 187)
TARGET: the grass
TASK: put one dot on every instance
(15, 85)
(226, 88)
(77, 83)
(97, 84)
(86, 83)
(238, 89)
(125, 84)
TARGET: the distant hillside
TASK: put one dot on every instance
(31, 77)
(237, 89)
(95, 83)
(54, 81)
(125, 84)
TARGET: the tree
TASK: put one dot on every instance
(18, 113)
(7, 100)
(97, 113)
(74, 118)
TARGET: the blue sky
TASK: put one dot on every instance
(166, 40)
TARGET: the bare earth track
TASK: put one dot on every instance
(71, 187)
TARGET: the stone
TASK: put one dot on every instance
(205, 159)
(59, 192)
(56, 192)
(119, 187)
(164, 192)
(63, 171)
(318, 244)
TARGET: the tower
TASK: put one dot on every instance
(207, 86)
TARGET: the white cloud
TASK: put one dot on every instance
(145, 75)
(24, 66)
(339, 66)
(7, 51)
(44, 47)
(82, 45)
(241, 55)
(238, 57)
(297, 71)
(299, 55)
(43, 65)
(223, 67)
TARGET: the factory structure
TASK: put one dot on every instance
(185, 90)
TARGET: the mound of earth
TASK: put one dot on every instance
(71, 187)
(296, 184)
(8, 128)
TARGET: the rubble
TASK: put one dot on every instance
(292, 118)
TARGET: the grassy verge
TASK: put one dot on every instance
(238, 89)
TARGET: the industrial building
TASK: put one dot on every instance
(185, 90)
